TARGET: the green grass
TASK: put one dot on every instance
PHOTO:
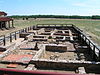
(92, 27)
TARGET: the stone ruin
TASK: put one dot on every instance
(51, 48)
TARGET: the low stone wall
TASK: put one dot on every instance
(58, 48)
(41, 31)
(40, 53)
(2, 49)
(39, 36)
(62, 34)
(39, 39)
(46, 33)
(30, 67)
(81, 70)
(29, 37)
(63, 64)
(23, 35)
(11, 48)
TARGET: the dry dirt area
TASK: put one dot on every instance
(62, 56)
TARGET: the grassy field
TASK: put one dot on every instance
(91, 27)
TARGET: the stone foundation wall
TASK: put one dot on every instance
(58, 48)
(40, 53)
(38, 36)
(63, 64)
(62, 34)
(41, 31)
(23, 35)
(29, 37)
(46, 33)
(10, 48)
(39, 39)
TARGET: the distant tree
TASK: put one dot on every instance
(54, 16)
(95, 17)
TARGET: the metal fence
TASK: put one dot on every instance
(81, 36)
(13, 36)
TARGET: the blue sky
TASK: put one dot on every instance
(50, 7)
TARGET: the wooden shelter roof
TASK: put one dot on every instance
(3, 13)
(5, 19)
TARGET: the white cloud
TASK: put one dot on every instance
(80, 4)
(88, 4)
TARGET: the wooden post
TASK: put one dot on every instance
(15, 36)
(10, 37)
(19, 31)
(72, 25)
(32, 27)
(1, 25)
(81, 38)
(28, 29)
(23, 30)
(78, 36)
(4, 41)
(89, 47)
(99, 56)
(84, 40)
(93, 55)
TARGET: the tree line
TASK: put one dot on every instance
(56, 16)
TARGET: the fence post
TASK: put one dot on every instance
(10, 37)
(99, 56)
(28, 29)
(15, 36)
(25, 29)
(94, 57)
(32, 27)
(19, 31)
(4, 40)
(89, 46)
(84, 40)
